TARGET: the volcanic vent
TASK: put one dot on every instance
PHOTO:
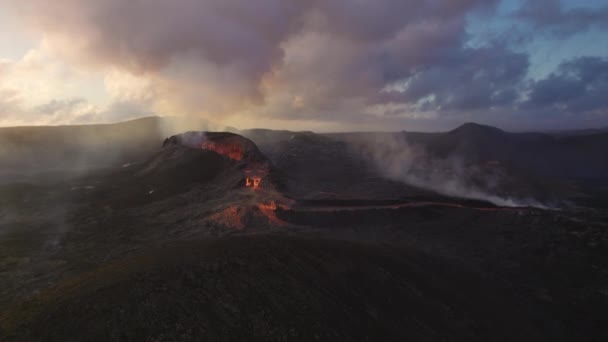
(231, 145)
(255, 203)
(255, 165)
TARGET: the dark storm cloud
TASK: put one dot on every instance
(579, 85)
(551, 15)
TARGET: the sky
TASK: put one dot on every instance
(322, 65)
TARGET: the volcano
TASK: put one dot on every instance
(278, 235)
(233, 146)
(255, 165)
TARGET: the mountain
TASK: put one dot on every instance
(547, 167)
(561, 158)
(588, 131)
(268, 235)
(523, 165)
(59, 150)
(472, 141)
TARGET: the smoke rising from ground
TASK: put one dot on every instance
(398, 159)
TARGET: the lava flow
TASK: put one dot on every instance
(253, 182)
(254, 175)
(269, 211)
(232, 151)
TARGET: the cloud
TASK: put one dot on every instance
(271, 62)
(467, 79)
(219, 57)
(552, 17)
(578, 86)
(39, 89)
(9, 106)
(115, 112)
(147, 36)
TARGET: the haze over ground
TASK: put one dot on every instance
(315, 65)
(114, 233)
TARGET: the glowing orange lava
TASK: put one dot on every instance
(253, 182)
(232, 151)
(268, 210)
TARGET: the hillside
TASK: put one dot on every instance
(277, 235)
(552, 169)
(272, 288)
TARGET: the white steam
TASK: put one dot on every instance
(397, 159)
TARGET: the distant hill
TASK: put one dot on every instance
(580, 132)
(524, 165)
(521, 164)
(35, 149)
(349, 237)
(563, 157)
(558, 156)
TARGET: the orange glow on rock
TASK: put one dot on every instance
(268, 210)
(232, 151)
(253, 182)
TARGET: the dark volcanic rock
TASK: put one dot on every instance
(272, 289)
(178, 248)
(184, 164)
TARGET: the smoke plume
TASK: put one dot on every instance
(398, 159)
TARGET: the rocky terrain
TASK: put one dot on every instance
(171, 241)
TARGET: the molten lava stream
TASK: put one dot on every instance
(253, 182)
(232, 151)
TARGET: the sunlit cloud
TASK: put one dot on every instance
(381, 64)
